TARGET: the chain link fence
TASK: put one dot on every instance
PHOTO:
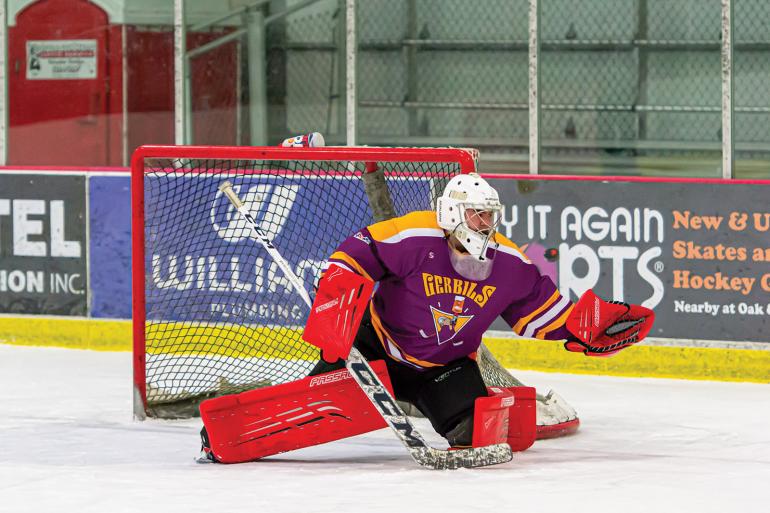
(625, 85)
(458, 72)
(751, 21)
(315, 63)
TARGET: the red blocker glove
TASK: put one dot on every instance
(605, 327)
(339, 306)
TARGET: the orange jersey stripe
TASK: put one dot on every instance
(340, 255)
(558, 323)
(524, 320)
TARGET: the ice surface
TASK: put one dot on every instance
(68, 443)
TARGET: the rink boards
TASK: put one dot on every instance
(92, 311)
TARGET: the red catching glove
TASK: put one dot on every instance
(605, 327)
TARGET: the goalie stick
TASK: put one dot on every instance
(364, 376)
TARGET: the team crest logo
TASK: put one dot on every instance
(449, 324)
(363, 238)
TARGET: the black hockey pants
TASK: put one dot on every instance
(445, 395)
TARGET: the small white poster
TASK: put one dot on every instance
(61, 59)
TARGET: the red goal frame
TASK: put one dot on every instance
(466, 158)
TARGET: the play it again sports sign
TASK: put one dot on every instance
(697, 253)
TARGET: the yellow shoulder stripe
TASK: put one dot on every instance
(419, 219)
(505, 241)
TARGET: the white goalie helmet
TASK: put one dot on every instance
(472, 194)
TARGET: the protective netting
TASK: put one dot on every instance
(220, 315)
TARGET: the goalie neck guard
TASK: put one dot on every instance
(468, 195)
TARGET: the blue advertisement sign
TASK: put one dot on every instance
(203, 264)
(110, 246)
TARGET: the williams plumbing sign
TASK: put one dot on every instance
(697, 253)
(211, 269)
(43, 245)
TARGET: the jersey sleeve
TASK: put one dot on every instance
(358, 253)
(541, 312)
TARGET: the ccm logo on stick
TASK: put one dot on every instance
(388, 407)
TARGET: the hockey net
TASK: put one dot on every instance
(213, 314)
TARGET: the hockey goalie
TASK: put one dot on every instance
(442, 277)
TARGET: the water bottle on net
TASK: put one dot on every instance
(311, 140)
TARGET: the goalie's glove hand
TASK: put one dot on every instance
(602, 328)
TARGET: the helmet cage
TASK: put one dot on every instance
(463, 193)
(476, 241)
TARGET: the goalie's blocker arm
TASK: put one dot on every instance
(339, 306)
(602, 328)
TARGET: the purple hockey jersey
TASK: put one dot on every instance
(425, 313)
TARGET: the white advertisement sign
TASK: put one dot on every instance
(61, 59)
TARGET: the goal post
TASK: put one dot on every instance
(212, 313)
